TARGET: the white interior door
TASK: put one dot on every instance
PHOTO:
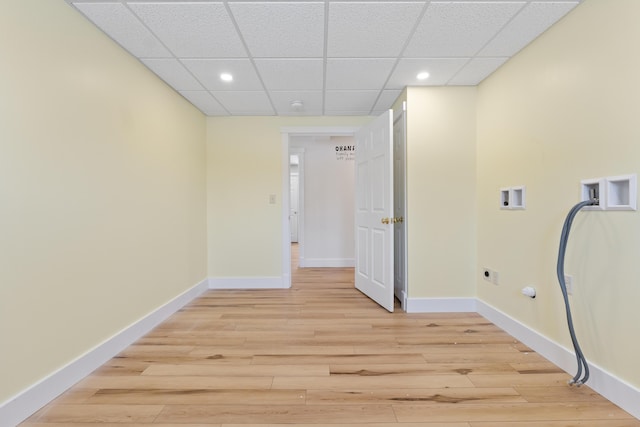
(374, 210)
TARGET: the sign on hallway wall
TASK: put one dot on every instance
(346, 152)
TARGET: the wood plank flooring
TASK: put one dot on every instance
(323, 355)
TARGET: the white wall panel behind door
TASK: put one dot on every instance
(328, 201)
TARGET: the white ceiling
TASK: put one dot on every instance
(338, 57)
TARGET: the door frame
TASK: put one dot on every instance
(287, 133)
(401, 115)
(300, 153)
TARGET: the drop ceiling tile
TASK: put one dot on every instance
(525, 27)
(440, 70)
(291, 74)
(357, 73)
(286, 39)
(349, 113)
(312, 101)
(174, 73)
(191, 29)
(506, 1)
(123, 27)
(350, 100)
(476, 70)
(386, 99)
(459, 29)
(248, 103)
(281, 29)
(208, 71)
(378, 30)
(204, 102)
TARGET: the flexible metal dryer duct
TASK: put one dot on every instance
(580, 377)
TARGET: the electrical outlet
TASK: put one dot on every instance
(568, 281)
(495, 277)
(486, 274)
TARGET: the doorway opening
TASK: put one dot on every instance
(289, 135)
(292, 216)
(321, 205)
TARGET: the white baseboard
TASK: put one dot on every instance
(248, 283)
(27, 402)
(441, 305)
(608, 385)
(329, 262)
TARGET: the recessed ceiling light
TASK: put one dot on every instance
(423, 75)
(226, 77)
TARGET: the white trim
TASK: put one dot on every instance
(286, 223)
(329, 262)
(608, 385)
(441, 305)
(27, 402)
(249, 283)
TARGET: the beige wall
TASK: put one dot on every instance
(441, 214)
(244, 159)
(244, 167)
(397, 106)
(102, 191)
(566, 109)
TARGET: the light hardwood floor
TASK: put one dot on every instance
(319, 355)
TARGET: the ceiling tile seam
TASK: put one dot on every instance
(530, 2)
(506, 59)
(158, 39)
(446, 57)
(174, 56)
(412, 33)
(192, 58)
(324, 56)
(249, 55)
(506, 24)
(526, 4)
(475, 55)
(448, 82)
(72, 4)
(204, 89)
(140, 59)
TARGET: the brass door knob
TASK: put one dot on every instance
(386, 220)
